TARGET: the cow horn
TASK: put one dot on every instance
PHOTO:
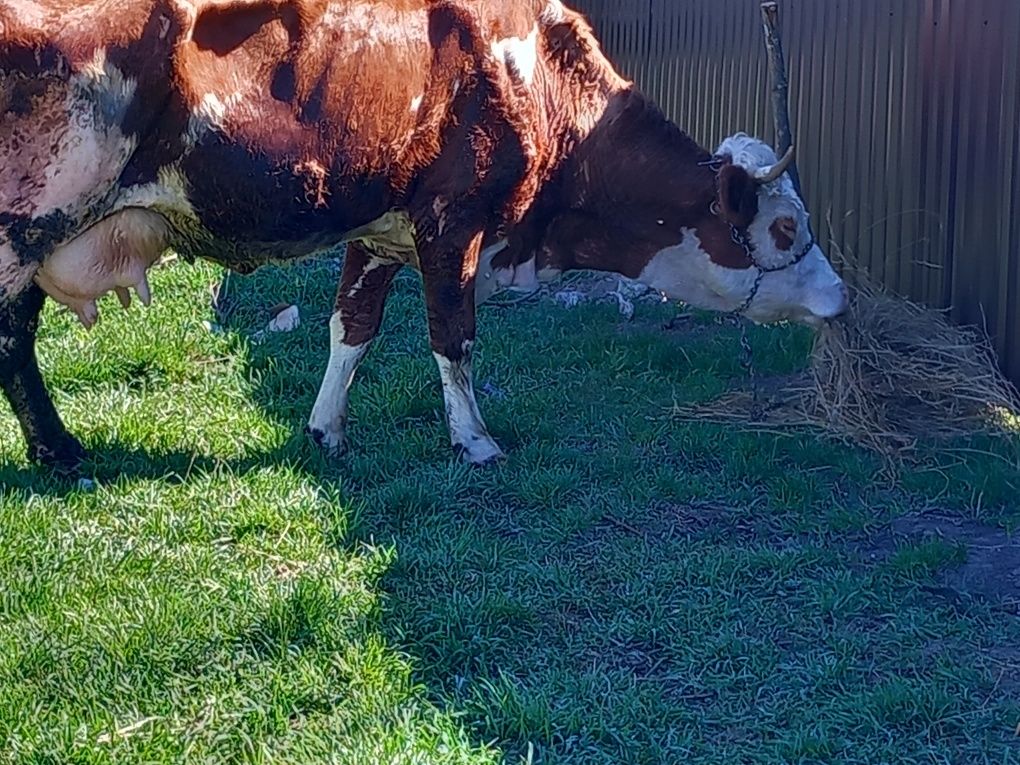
(769, 174)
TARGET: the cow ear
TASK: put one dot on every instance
(738, 195)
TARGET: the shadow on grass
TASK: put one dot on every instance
(112, 460)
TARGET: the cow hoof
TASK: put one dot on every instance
(483, 451)
(331, 443)
(64, 457)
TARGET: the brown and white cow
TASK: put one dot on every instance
(485, 143)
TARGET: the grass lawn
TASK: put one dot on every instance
(624, 588)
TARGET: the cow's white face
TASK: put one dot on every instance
(805, 287)
(708, 269)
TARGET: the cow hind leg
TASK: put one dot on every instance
(47, 438)
(448, 271)
(364, 284)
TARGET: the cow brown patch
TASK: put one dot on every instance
(361, 296)
(738, 195)
(224, 28)
(717, 240)
(784, 231)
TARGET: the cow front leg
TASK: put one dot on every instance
(448, 273)
(364, 284)
(48, 440)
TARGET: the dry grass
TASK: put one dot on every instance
(887, 376)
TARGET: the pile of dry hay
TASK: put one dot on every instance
(887, 375)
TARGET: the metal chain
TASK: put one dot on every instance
(747, 362)
(739, 311)
(746, 352)
(741, 239)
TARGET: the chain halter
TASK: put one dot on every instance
(740, 237)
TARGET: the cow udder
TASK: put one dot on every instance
(112, 255)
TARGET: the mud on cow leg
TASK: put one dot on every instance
(364, 284)
(448, 272)
(22, 384)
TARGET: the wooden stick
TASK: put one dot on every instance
(780, 84)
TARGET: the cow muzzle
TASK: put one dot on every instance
(825, 294)
(810, 293)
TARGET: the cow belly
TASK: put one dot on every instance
(112, 255)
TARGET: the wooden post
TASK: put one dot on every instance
(780, 84)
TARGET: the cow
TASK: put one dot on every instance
(490, 145)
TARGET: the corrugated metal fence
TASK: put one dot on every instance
(907, 120)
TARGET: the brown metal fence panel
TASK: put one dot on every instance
(907, 121)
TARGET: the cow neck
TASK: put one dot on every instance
(636, 159)
(642, 183)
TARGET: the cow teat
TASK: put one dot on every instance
(111, 256)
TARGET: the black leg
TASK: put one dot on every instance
(47, 438)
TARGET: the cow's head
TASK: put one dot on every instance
(754, 250)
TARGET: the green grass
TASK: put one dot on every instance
(624, 588)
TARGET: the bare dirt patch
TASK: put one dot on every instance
(662, 522)
(991, 569)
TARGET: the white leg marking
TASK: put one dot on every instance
(328, 421)
(467, 430)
